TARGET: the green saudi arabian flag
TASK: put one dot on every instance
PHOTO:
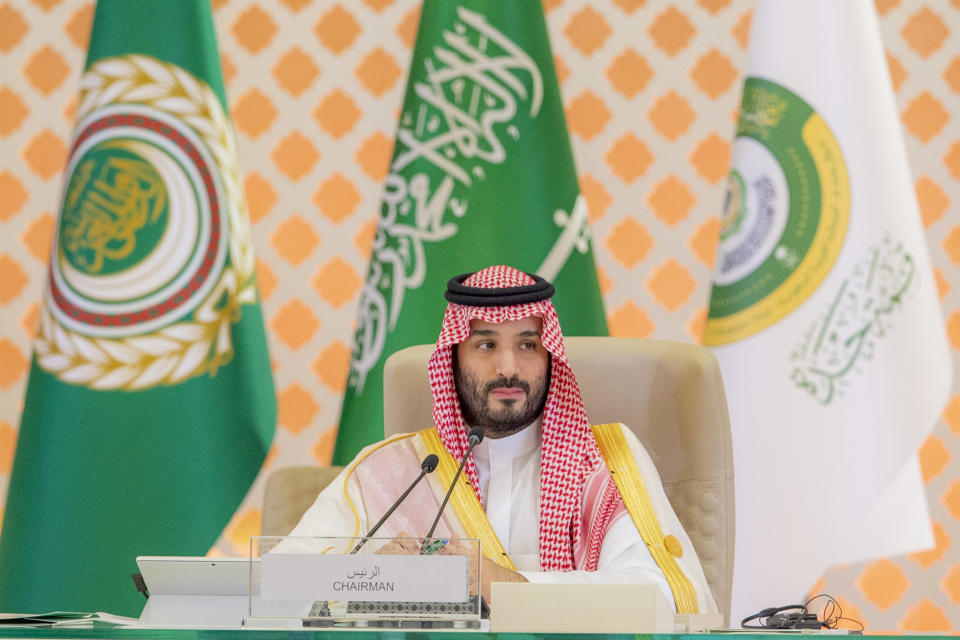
(482, 173)
(150, 404)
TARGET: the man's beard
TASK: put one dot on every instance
(509, 418)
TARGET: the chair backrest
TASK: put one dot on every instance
(289, 492)
(669, 393)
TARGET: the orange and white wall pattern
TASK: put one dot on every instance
(651, 90)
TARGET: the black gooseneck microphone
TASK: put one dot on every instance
(427, 466)
(475, 438)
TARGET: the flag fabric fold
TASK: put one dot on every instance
(824, 313)
(482, 173)
(150, 404)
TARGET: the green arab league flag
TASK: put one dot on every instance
(482, 173)
(150, 404)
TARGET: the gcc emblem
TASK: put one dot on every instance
(785, 216)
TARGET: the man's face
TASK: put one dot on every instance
(502, 375)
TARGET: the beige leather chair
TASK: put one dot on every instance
(289, 492)
(670, 394)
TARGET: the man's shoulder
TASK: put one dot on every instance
(615, 430)
(615, 437)
(400, 442)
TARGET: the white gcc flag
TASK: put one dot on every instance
(824, 313)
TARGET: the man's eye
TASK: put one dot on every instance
(484, 346)
(529, 346)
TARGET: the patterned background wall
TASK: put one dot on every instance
(651, 89)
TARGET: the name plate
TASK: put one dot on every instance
(364, 578)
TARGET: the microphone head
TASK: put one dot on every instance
(476, 436)
(430, 463)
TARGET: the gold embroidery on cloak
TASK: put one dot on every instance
(464, 501)
(616, 453)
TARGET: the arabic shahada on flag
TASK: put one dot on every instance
(824, 313)
(482, 174)
(150, 404)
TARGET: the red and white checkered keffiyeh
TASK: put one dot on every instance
(569, 452)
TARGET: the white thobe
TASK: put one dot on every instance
(509, 474)
(508, 469)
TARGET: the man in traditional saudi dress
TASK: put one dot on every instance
(537, 491)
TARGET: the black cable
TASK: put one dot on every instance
(773, 617)
(833, 612)
(799, 616)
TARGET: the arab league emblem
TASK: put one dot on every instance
(151, 259)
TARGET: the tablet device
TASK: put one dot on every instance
(193, 575)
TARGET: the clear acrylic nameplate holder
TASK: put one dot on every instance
(357, 582)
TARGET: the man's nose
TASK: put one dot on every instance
(507, 364)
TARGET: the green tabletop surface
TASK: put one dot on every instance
(360, 634)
